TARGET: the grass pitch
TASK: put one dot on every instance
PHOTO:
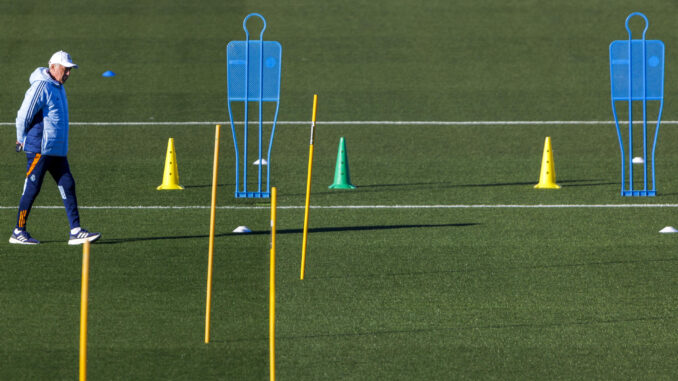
(403, 293)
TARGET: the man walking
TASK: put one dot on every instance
(42, 132)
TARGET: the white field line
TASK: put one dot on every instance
(451, 206)
(376, 122)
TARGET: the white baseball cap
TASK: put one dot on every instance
(62, 58)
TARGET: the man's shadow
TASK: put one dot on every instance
(286, 231)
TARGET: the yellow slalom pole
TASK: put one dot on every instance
(308, 188)
(271, 296)
(211, 244)
(84, 295)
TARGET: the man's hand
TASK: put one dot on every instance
(19, 147)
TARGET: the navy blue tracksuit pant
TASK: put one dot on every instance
(36, 168)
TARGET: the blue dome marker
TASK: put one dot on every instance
(108, 73)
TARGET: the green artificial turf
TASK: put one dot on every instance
(483, 286)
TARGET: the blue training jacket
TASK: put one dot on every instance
(42, 120)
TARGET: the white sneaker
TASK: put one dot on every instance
(21, 237)
(80, 236)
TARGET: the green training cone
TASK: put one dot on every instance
(342, 179)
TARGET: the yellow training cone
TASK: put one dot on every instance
(170, 178)
(547, 178)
